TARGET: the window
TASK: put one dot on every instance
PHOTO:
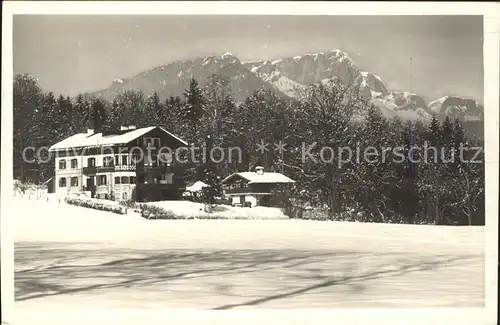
(132, 179)
(154, 161)
(124, 180)
(74, 181)
(74, 163)
(107, 161)
(148, 161)
(91, 162)
(101, 180)
(117, 180)
(62, 164)
(117, 160)
(135, 160)
(165, 159)
(167, 178)
(124, 160)
(152, 142)
(62, 182)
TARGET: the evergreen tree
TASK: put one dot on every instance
(79, 116)
(115, 115)
(132, 103)
(371, 183)
(172, 114)
(458, 133)
(447, 132)
(210, 177)
(70, 116)
(99, 115)
(434, 133)
(153, 111)
(49, 120)
(27, 98)
(62, 118)
(194, 107)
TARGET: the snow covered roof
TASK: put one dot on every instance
(264, 178)
(98, 139)
(196, 187)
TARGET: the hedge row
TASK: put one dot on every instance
(154, 212)
(97, 205)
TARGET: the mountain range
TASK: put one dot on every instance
(285, 76)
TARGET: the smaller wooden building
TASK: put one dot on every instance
(256, 188)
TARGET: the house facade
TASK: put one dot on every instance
(256, 187)
(111, 165)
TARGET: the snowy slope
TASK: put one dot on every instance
(309, 68)
(403, 104)
(374, 83)
(269, 72)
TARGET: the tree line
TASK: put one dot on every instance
(445, 189)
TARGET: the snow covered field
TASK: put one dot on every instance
(67, 256)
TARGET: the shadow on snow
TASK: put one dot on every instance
(44, 270)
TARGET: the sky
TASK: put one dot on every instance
(79, 53)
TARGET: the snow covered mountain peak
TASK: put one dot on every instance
(307, 69)
(373, 82)
(229, 56)
(463, 108)
(285, 76)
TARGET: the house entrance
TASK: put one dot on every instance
(91, 186)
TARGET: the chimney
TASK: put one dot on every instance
(131, 127)
(90, 132)
(259, 170)
(123, 128)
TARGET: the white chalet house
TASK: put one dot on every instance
(256, 187)
(106, 165)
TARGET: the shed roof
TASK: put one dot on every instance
(196, 187)
(265, 178)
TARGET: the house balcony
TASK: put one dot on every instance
(140, 170)
(119, 168)
(153, 170)
(95, 170)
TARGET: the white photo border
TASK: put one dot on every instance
(487, 315)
